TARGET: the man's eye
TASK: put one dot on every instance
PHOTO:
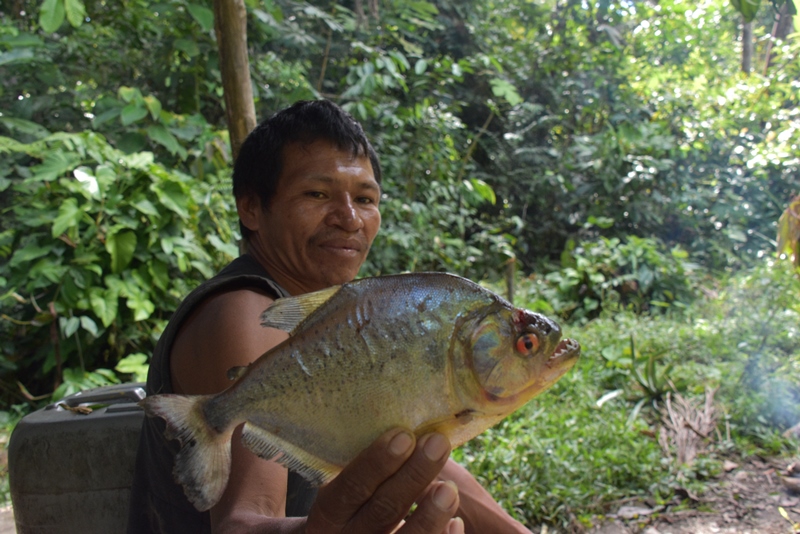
(366, 200)
(315, 194)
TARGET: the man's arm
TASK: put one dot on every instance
(224, 332)
(372, 494)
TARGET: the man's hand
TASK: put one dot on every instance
(374, 493)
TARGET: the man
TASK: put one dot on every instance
(307, 188)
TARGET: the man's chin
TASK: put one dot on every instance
(336, 274)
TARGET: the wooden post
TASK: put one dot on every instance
(747, 47)
(511, 269)
(230, 25)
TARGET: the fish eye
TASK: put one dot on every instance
(527, 343)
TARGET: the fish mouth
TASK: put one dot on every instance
(568, 349)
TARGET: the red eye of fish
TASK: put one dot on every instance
(527, 343)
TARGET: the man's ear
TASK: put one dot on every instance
(249, 208)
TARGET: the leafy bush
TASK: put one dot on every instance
(635, 273)
(99, 248)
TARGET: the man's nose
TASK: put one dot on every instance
(345, 215)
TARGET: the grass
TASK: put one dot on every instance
(566, 457)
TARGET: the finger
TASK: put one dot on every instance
(435, 511)
(397, 494)
(455, 526)
(345, 495)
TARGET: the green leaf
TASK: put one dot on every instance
(600, 222)
(121, 246)
(154, 106)
(129, 93)
(69, 215)
(229, 249)
(503, 89)
(69, 325)
(748, 8)
(132, 143)
(203, 16)
(104, 304)
(135, 364)
(160, 273)
(17, 55)
(54, 165)
(420, 66)
(140, 160)
(106, 116)
(162, 136)
(133, 112)
(88, 324)
(21, 40)
(26, 127)
(51, 15)
(27, 254)
(188, 47)
(142, 306)
(76, 12)
(173, 197)
(47, 269)
(146, 207)
(484, 190)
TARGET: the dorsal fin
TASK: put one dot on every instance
(288, 312)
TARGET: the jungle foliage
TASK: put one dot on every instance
(589, 146)
(614, 158)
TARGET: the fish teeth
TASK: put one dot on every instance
(566, 346)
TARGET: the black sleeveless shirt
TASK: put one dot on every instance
(158, 504)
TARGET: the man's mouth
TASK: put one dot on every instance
(345, 246)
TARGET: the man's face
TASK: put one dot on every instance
(322, 220)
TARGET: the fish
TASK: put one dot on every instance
(430, 352)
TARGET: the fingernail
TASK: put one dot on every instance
(401, 444)
(445, 495)
(436, 447)
(456, 526)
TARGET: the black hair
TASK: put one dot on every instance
(259, 163)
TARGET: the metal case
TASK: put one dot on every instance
(71, 472)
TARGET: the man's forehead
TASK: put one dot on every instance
(364, 183)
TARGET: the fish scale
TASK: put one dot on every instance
(425, 351)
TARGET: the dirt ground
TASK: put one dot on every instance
(746, 499)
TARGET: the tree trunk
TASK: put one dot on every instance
(780, 30)
(785, 22)
(230, 25)
(361, 18)
(747, 47)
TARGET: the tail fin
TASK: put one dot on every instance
(203, 464)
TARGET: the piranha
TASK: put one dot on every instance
(425, 351)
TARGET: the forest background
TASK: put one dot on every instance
(619, 165)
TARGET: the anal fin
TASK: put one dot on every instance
(269, 446)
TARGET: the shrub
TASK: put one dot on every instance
(99, 248)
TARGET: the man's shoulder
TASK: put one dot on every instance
(245, 272)
(224, 331)
(232, 306)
